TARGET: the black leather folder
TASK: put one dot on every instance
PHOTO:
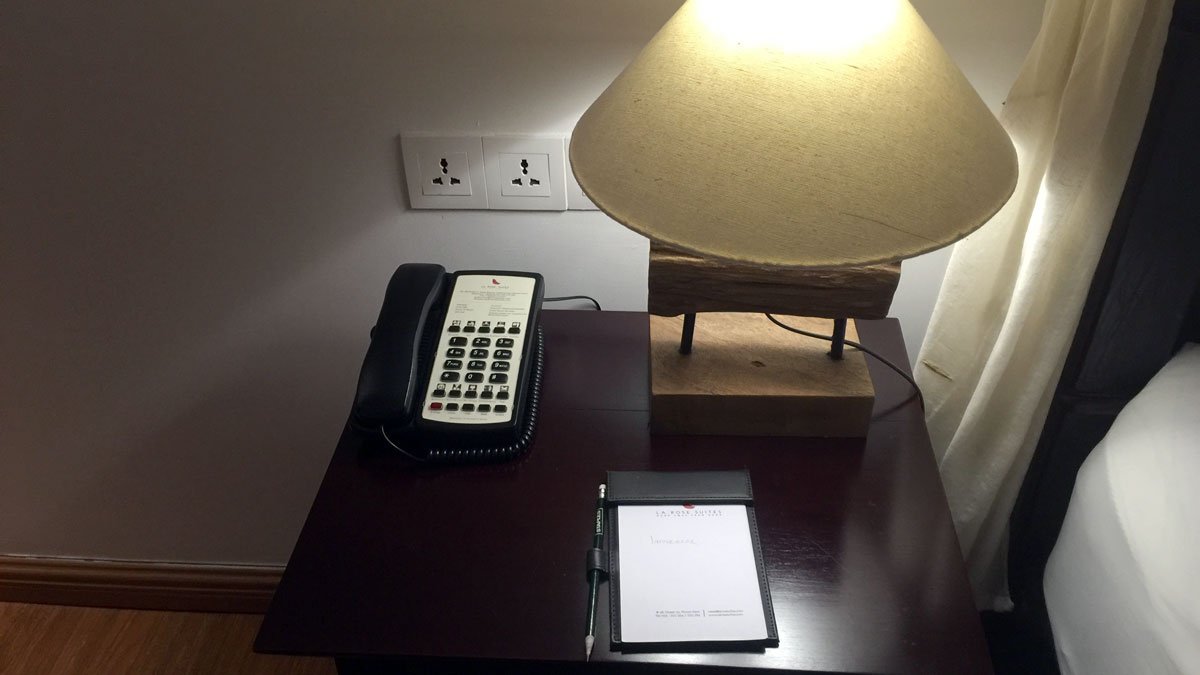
(675, 488)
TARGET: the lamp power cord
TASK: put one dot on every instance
(855, 345)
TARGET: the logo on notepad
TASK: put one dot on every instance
(689, 506)
(495, 283)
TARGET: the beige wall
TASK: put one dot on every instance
(200, 205)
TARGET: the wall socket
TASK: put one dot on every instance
(525, 173)
(444, 172)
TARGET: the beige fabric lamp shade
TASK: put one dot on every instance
(815, 133)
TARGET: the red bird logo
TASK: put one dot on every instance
(495, 283)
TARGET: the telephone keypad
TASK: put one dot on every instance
(469, 383)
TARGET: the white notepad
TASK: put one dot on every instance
(688, 574)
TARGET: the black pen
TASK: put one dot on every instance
(594, 577)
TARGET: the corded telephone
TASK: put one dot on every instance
(454, 369)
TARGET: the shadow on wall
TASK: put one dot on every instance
(201, 209)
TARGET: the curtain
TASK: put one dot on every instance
(1014, 289)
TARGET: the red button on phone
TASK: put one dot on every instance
(436, 405)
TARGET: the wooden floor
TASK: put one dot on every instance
(55, 640)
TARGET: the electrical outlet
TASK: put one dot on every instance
(444, 172)
(525, 172)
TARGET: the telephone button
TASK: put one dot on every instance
(487, 392)
(495, 378)
(456, 352)
(484, 407)
(504, 342)
(515, 328)
(451, 407)
(501, 408)
(453, 327)
(501, 366)
(440, 391)
(481, 342)
(473, 377)
(470, 328)
(449, 376)
(504, 353)
(503, 394)
(453, 364)
(458, 341)
(476, 365)
(455, 393)
(479, 353)
(468, 407)
(471, 393)
(436, 405)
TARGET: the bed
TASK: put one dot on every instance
(1108, 601)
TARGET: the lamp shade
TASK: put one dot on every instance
(817, 133)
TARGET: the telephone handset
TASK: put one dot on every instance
(454, 369)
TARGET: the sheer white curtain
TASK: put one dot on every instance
(1013, 290)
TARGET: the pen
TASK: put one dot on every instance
(594, 577)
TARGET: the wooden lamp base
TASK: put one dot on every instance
(748, 377)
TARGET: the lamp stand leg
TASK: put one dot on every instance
(839, 339)
(689, 329)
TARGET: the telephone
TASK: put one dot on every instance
(454, 369)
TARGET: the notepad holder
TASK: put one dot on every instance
(648, 488)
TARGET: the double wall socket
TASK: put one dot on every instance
(515, 172)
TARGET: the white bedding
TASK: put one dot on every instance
(1123, 583)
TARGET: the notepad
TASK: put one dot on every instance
(688, 574)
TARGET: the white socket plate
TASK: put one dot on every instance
(552, 196)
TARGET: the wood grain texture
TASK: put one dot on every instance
(57, 640)
(138, 585)
(748, 377)
(682, 283)
(465, 569)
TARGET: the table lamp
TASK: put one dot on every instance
(783, 157)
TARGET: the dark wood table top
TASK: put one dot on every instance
(470, 566)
